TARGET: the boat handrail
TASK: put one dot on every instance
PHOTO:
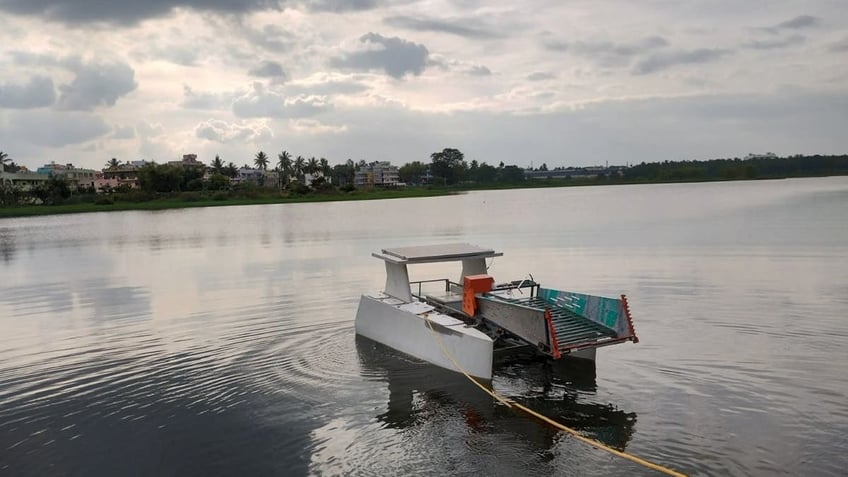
(447, 281)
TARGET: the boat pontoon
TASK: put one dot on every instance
(475, 316)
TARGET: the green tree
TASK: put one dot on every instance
(113, 163)
(10, 195)
(411, 172)
(299, 167)
(343, 174)
(284, 164)
(511, 174)
(486, 174)
(219, 181)
(261, 160)
(351, 171)
(4, 159)
(448, 165)
(313, 166)
(325, 167)
(231, 170)
(54, 191)
(218, 165)
(160, 178)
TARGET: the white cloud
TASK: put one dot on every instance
(123, 132)
(206, 100)
(262, 102)
(311, 126)
(222, 131)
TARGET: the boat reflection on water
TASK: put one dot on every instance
(562, 390)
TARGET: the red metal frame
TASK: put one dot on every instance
(554, 346)
(626, 308)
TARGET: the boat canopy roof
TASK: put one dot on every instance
(435, 253)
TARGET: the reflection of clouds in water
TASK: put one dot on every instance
(46, 298)
(7, 245)
(109, 302)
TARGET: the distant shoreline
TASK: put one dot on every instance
(167, 203)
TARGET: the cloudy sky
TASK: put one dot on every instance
(560, 82)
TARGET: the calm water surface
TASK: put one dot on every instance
(220, 341)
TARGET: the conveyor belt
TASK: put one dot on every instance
(570, 328)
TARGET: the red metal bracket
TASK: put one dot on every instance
(626, 309)
(554, 345)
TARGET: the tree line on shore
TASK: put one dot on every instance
(760, 167)
(448, 168)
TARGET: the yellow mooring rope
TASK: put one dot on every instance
(514, 405)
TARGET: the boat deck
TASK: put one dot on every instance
(571, 329)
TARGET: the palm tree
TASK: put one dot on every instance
(285, 165)
(325, 168)
(261, 161)
(312, 166)
(299, 167)
(113, 163)
(231, 170)
(218, 165)
(4, 159)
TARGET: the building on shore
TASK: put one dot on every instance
(121, 175)
(76, 177)
(589, 172)
(379, 173)
(189, 160)
(248, 175)
(25, 180)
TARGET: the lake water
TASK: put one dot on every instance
(220, 341)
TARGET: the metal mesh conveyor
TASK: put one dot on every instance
(571, 329)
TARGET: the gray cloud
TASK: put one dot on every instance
(265, 103)
(540, 76)
(183, 55)
(267, 69)
(772, 44)
(26, 58)
(126, 13)
(271, 37)
(464, 27)
(671, 128)
(96, 84)
(339, 6)
(608, 53)
(797, 23)
(665, 60)
(479, 70)
(37, 93)
(396, 56)
(802, 21)
(221, 131)
(47, 128)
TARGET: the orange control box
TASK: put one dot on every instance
(471, 285)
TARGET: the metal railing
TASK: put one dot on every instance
(447, 282)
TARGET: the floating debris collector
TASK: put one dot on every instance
(475, 316)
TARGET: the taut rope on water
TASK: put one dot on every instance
(514, 405)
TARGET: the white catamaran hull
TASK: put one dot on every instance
(403, 326)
